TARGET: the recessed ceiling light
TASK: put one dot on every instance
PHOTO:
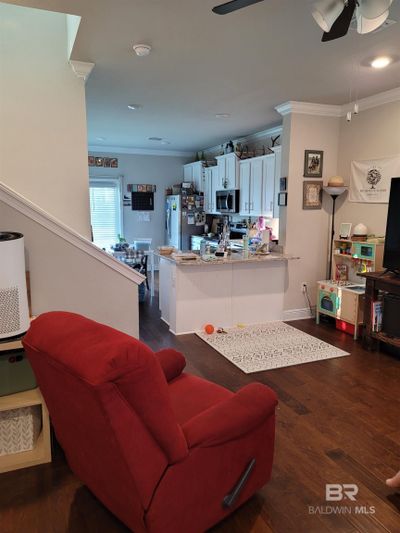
(142, 50)
(165, 142)
(157, 139)
(135, 107)
(223, 115)
(381, 62)
(100, 139)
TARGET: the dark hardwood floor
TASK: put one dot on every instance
(338, 421)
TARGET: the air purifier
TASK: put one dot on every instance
(14, 311)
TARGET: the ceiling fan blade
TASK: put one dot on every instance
(234, 5)
(342, 24)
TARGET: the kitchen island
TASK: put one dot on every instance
(238, 289)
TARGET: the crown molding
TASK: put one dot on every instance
(308, 108)
(81, 69)
(376, 100)
(274, 130)
(325, 110)
(137, 151)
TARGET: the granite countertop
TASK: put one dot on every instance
(235, 258)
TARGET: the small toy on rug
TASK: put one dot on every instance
(209, 329)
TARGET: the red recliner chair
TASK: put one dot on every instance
(165, 451)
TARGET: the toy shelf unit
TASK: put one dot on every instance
(344, 301)
(352, 258)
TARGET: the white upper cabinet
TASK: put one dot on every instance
(210, 188)
(268, 188)
(228, 171)
(257, 186)
(194, 172)
(245, 187)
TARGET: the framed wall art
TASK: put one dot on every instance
(313, 163)
(282, 199)
(312, 195)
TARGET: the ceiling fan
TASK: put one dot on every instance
(333, 16)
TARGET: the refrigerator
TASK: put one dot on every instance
(184, 217)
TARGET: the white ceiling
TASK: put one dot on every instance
(244, 63)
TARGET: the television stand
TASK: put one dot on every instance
(389, 271)
(375, 282)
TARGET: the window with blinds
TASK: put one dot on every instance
(105, 211)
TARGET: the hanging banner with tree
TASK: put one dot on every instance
(370, 180)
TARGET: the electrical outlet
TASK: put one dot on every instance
(304, 287)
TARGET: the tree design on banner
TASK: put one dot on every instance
(374, 176)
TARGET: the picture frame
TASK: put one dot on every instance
(91, 160)
(345, 230)
(114, 162)
(99, 161)
(282, 199)
(282, 184)
(107, 162)
(312, 194)
(313, 163)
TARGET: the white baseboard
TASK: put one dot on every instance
(298, 314)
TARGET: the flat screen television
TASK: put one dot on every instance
(391, 258)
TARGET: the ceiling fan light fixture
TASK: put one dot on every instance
(366, 25)
(381, 62)
(372, 9)
(326, 12)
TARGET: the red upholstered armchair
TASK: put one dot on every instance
(165, 451)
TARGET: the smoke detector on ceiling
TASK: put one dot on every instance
(142, 50)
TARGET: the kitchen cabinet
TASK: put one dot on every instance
(194, 173)
(269, 186)
(245, 172)
(257, 185)
(211, 181)
(228, 171)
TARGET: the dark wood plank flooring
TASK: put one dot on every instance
(338, 421)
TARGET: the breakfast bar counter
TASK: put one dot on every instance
(238, 289)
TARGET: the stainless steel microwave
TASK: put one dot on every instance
(227, 201)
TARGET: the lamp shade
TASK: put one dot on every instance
(326, 12)
(366, 25)
(335, 191)
(372, 9)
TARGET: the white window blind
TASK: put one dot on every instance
(105, 211)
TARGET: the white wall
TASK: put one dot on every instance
(162, 171)
(307, 231)
(65, 278)
(43, 147)
(374, 133)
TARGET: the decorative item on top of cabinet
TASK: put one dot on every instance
(274, 140)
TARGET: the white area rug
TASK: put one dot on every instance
(268, 346)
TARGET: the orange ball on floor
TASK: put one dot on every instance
(209, 328)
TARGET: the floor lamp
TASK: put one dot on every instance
(334, 193)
